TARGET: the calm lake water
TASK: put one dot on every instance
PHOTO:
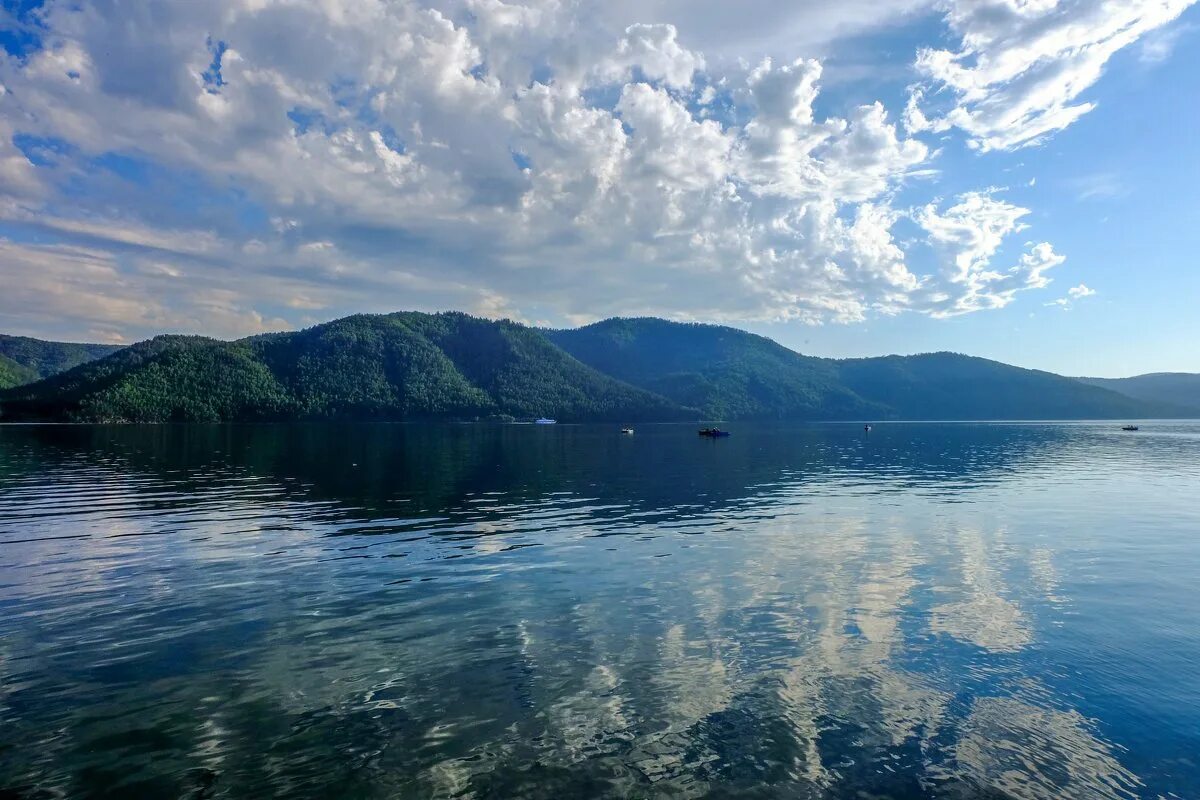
(370, 611)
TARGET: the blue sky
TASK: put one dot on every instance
(1006, 178)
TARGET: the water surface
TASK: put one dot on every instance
(957, 611)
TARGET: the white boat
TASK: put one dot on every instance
(627, 431)
(544, 421)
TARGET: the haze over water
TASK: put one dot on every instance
(930, 610)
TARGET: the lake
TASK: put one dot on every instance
(370, 611)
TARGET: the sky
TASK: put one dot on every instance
(1013, 179)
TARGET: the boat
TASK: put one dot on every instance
(1129, 427)
(866, 428)
(627, 431)
(544, 421)
(713, 433)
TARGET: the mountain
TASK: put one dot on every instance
(410, 365)
(14, 374)
(396, 366)
(1177, 388)
(24, 360)
(728, 373)
(725, 372)
(954, 386)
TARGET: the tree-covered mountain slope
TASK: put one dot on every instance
(725, 372)
(410, 365)
(1176, 388)
(168, 378)
(397, 366)
(729, 374)
(14, 374)
(24, 360)
(953, 386)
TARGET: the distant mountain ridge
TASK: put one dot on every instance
(727, 372)
(1177, 388)
(411, 365)
(24, 360)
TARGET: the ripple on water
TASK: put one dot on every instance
(937, 611)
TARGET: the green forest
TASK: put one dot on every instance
(24, 360)
(388, 367)
(452, 366)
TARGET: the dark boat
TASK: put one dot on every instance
(1129, 427)
(713, 433)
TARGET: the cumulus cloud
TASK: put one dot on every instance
(1074, 293)
(653, 51)
(967, 236)
(291, 160)
(1021, 65)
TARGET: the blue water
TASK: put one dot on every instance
(955, 610)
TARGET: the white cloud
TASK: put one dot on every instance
(683, 154)
(967, 236)
(1022, 65)
(1074, 293)
(69, 290)
(654, 51)
(749, 28)
(1157, 46)
(505, 157)
(1098, 186)
(971, 231)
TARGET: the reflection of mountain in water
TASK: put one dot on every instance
(437, 469)
(840, 630)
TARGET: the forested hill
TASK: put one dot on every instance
(396, 366)
(953, 386)
(731, 373)
(725, 372)
(1178, 388)
(24, 360)
(409, 365)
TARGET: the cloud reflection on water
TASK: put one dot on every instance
(833, 630)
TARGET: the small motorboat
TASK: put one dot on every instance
(866, 428)
(627, 431)
(713, 433)
(543, 421)
(1129, 427)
